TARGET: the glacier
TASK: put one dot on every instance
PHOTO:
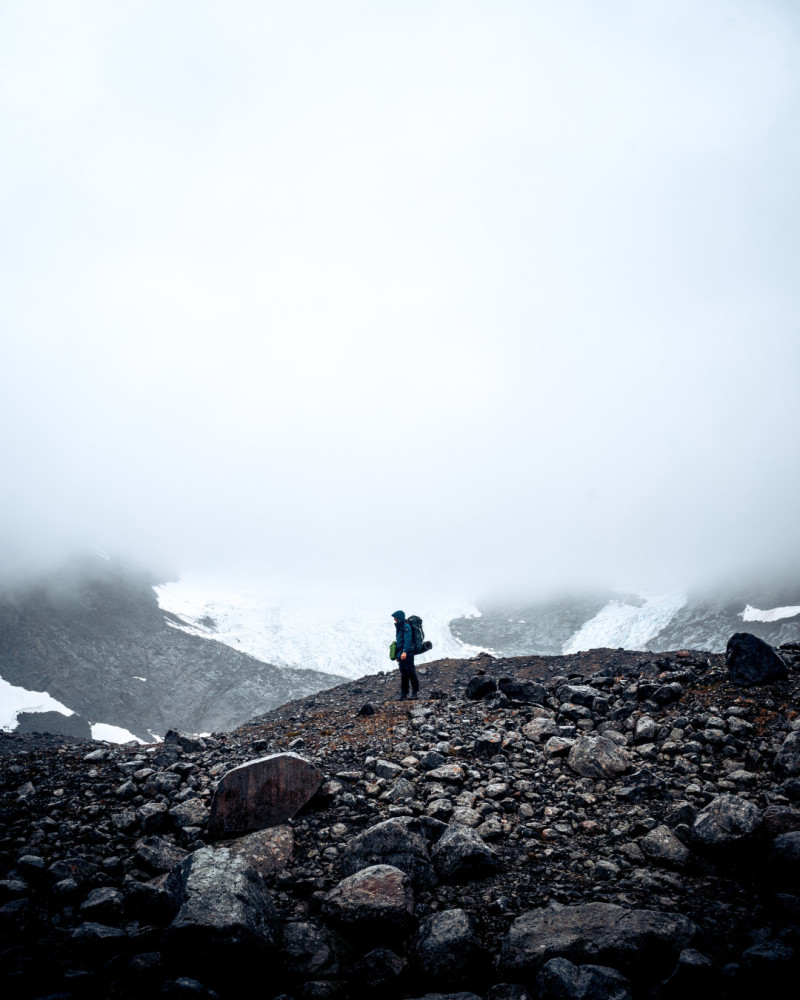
(626, 625)
(348, 636)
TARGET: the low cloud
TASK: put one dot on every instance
(468, 300)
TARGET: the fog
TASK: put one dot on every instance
(473, 297)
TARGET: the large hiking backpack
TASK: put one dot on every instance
(421, 644)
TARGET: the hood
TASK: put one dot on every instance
(399, 615)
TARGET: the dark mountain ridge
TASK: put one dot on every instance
(89, 633)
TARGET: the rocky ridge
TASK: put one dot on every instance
(610, 824)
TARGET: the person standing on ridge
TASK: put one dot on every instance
(405, 655)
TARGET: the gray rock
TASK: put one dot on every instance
(461, 854)
(641, 785)
(646, 730)
(537, 728)
(91, 936)
(192, 812)
(379, 969)
(787, 762)
(379, 897)
(598, 757)
(559, 979)
(398, 842)
(645, 943)
(265, 851)
(558, 746)
(726, 820)
(157, 854)
(525, 692)
(261, 793)
(693, 978)
(432, 759)
(152, 816)
(386, 769)
(752, 661)
(226, 914)
(447, 948)
(784, 860)
(578, 694)
(480, 686)
(662, 846)
(463, 995)
(452, 774)
(311, 951)
(105, 903)
(401, 791)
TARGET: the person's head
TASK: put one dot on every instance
(398, 616)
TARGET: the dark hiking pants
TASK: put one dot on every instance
(408, 673)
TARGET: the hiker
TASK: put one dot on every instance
(404, 655)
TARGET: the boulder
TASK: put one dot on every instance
(375, 898)
(643, 943)
(642, 785)
(526, 692)
(784, 859)
(537, 728)
(447, 949)
(103, 904)
(787, 762)
(559, 979)
(311, 951)
(752, 661)
(265, 851)
(261, 793)
(192, 812)
(480, 686)
(598, 757)
(578, 694)
(158, 854)
(226, 918)
(399, 842)
(693, 978)
(380, 969)
(451, 774)
(662, 846)
(725, 821)
(461, 854)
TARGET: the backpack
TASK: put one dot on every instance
(421, 645)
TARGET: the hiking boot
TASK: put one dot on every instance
(414, 695)
(402, 697)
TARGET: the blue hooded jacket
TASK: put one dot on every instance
(403, 636)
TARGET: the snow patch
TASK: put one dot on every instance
(14, 700)
(138, 678)
(349, 637)
(751, 614)
(112, 734)
(623, 625)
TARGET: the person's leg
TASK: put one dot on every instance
(403, 679)
(412, 674)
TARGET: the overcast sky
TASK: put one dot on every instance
(478, 293)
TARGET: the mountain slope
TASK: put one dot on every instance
(94, 638)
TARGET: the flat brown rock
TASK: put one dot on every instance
(261, 793)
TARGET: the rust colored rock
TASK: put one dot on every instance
(380, 896)
(261, 793)
(267, 851)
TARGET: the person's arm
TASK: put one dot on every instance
(407, 641)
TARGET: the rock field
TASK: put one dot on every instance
(600, 826)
